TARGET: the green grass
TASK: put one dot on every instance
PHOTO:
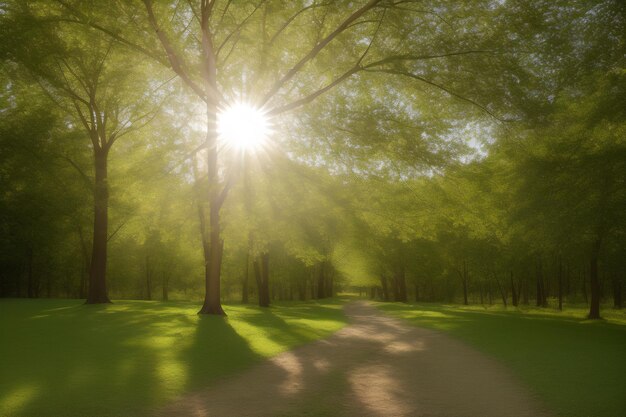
(61, 357)
(576, 366)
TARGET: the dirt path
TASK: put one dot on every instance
(375, 366)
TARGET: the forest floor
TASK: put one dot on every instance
(375, 366)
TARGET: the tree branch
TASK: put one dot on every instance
(317, 49)
(411, 57)
(238, 28)
(313, 96)
(440, 87)
(84, 20)
(292, 18)
(175, 61)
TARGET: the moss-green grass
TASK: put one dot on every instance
(64, 358)
(576, 366)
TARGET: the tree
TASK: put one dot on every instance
(86, 76)
(253, 42)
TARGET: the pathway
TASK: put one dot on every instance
(375, 366)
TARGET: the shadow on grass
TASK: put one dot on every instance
(61, 357)
(216, 350)
(76, 360)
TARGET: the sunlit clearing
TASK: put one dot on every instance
(243, 127)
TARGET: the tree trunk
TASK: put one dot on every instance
(567, 287)
(394, 287)
(514, 293)
(482, 297)
(383, 282)
(525, 289)
(560, 277)
(617, 291)
(401, 285)
(244, 284)
(541, 295)
(502, 290)
(321, 290)
(302, 290)
(97, 274)
(417, 292)
(31, 285)
(48, 285)
(594, 282)
(166, 287)
(330, 281)
(213, 251)
(265, 275)
(261, 273)
(148, 279)
(464, 278)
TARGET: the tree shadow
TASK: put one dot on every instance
(217, 350)
(99, 360)
(371, 368)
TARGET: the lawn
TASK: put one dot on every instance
(61, 357)
(576, 366)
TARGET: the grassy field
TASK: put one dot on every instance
(60, 357)
(576, 366)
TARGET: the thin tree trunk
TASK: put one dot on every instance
(31, 287)
(48, 285)
(567, 288)
(464, 278)
(617, 291)
(265, 275)
(244, 284)
(148, 279)
(302, 290)
(166, 285)
(594, 282)
(383, 282)
(482, 297)
(261, 273)
(321, 290)
(97, 274)
(560, 277)
(501, 289)
(401, 283)
(330, 281)
(394, 287)
(514, 292)
(541, 295)
(525, 289)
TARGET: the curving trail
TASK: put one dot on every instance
(375, 366)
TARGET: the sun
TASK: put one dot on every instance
(243, 127)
